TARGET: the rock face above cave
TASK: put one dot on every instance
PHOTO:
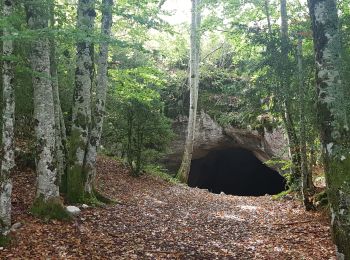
(209, 136)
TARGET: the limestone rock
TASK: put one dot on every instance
(73, 210)
(16, 226)
(209, 136)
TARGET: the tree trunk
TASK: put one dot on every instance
(194, 83)
(293, 143)
(60, 154)
(307, 187)
(332, 116)
(101, 91)
(44, 113)
(81, 114)
(8, 120)
(284, 32)
(285, 84)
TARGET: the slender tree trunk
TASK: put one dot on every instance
(285, 83)
(194, 83)
(293, 143)
(305, 173)
(268, 18)
(332, 115)
(284, 32)
(101, 91)
(60, 142)
(81, 116)
(8, 120)
(44, 113)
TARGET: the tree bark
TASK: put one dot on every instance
(194, 83)
(8, 120)
(60, 153)
(81, 114)
(285, 83)
(101, 91)
(293, 143)
(333, 119)
(44, 113)
(307, 187)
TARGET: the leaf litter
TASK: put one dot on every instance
(155, 219)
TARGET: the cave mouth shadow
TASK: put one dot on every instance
(235, 171)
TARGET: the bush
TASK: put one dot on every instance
(135, 124)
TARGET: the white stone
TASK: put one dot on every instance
(16, 226)
(84, 206)
(73, 210)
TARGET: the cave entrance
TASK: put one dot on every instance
(235, 171)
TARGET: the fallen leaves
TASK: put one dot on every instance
(158, 220)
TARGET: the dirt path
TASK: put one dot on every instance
(157, 220)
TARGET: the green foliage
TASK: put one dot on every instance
(285, 167)
(51, 209)
(136, 120)
(160, 172)
(281, 195)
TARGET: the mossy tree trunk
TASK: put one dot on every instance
(100, 101)
(81, 114)
(8, 120)
(44, 112)
(194, 83)
(307, 186)
(333, 107)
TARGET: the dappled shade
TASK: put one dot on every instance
(235, 171)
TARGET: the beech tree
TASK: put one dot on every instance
(81, 114)
(44, 112)
(60, 129)
(100, 100)
(8, 120)
(194, 83)
(333, 118)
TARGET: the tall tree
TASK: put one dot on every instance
(306, 183)
(60, 129)
(101, 91)
(194, 83)
(286, 106)
(8, 120)
(81, 115)
(333, 117)
(44, 112)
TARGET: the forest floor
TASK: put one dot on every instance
(159, 220)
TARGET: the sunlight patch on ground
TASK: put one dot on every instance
(247, 207)
(224, 215)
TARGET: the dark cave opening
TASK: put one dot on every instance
(235, 171)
